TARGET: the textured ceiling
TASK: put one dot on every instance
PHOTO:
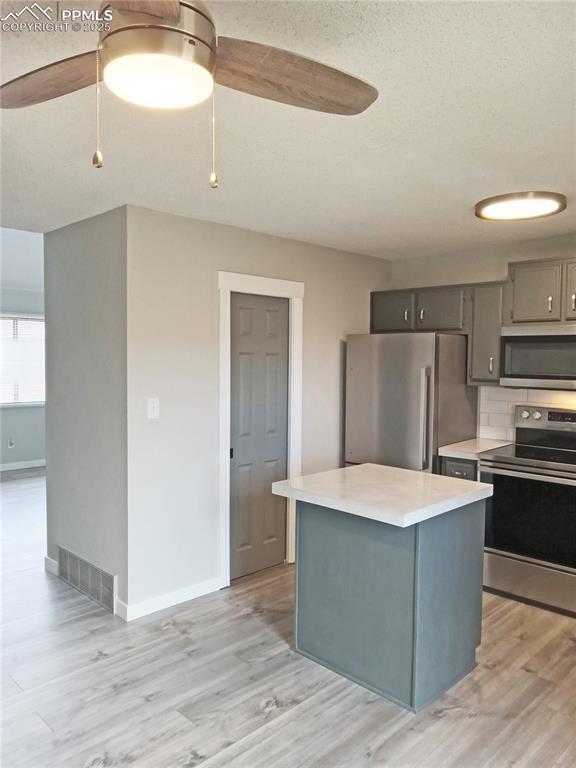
(476, 99)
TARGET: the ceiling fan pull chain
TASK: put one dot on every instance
(97, 158)
(213, 177)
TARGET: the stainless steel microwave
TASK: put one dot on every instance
(539, 357)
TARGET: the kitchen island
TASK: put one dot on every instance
(389, 577)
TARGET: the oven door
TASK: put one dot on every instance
(531, 515)
(547, 362)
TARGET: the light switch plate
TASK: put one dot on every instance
(153, 408)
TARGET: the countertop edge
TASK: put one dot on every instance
(454, 451)
(359, 509)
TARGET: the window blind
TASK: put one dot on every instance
(22, 359)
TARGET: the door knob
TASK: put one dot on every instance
(550, 303)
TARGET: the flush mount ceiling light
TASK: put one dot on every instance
(519, 206)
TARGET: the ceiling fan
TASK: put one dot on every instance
(165, 54)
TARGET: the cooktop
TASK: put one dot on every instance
(545, 437)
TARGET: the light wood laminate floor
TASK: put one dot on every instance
(214, 682)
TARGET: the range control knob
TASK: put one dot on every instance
(537, 415)
(525, 414)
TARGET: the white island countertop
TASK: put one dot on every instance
(401, 497)
(469, 449)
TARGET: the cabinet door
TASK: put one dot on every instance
(459, 468)
(392, 311)
(571, 290)
(485, 341)
(537, 292)
(440, 310)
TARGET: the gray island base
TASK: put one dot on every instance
(394, 606)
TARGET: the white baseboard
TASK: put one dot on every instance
(51, 565)
(22, 464)
(131, 611)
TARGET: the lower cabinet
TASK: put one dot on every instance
(484, 343)
(462, 469)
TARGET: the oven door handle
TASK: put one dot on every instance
(527, 475)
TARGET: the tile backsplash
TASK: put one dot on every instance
(496, 407)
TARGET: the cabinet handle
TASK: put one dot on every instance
(405, 315)
(491, 364)
(573, 302)
(550, 303)
(457, 473)
(421, 315)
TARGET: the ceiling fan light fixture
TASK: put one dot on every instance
(520, 206)
(158, 80)
(160, 63)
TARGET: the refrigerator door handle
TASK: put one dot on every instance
(424, 401)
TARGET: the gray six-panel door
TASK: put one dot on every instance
(259, 423)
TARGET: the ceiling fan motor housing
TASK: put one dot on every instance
(192, 37)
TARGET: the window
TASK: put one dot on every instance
(22, 354)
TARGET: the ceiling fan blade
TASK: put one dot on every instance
(165, 9)
(279, 75)
(49, 82)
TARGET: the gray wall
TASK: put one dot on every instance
(132, 313)
(23, 435)
(17, 300)
(487, 264)
(21, 425)
(173, 340)
(85, 288)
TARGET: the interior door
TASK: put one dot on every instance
(259, 431)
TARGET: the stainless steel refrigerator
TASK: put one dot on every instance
(406, 395)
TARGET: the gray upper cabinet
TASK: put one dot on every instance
(536, 292)
(392, 311)
(485, 339)
(440, 309)
(570, 303)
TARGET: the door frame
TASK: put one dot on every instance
(234, 282)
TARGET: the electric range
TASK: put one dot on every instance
(531, 518)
